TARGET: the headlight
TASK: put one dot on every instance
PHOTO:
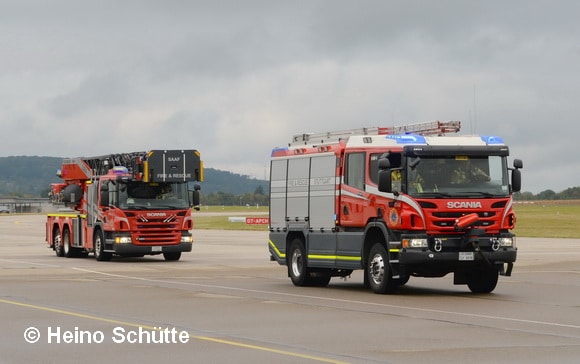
(123, 240)
(414, 243)
(507, 241)
(186, 239)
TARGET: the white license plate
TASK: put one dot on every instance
(156, 248)
(466, 256)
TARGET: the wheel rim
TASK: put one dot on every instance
(66, 243)
(98, 246)
(57, 243)
(377, 269)
(297, 263)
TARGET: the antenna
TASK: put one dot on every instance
(474, 110)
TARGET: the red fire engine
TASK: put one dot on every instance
(130, 204)
(396, 202)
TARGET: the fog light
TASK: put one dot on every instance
(123, 240)
(187, 239)
(414, 243)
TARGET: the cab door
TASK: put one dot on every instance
(353, 197)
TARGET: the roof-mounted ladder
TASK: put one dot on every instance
(423, 128)
(85, 168)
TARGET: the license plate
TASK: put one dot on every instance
(466, 256)
(156, 248)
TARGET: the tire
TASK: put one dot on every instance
(482, 281)
(379, 275)
(99, 247)
(173, 256)
(67, 250)
(320, 279)
(57, 243)
(403, 280)
(298, 268)
(297, 264)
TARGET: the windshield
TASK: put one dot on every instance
(457, 176)
(152, 196)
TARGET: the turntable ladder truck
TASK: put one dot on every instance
(128, 204)
(395, 202)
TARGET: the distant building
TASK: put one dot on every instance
(25, 205)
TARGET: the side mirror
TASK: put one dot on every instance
(517, 175)
(516, 180)
(194, 197)
(385, 181)
(384, 164)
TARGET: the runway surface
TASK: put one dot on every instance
(226, 302)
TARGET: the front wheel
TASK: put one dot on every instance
(483, 281)
(173, 256)
(99, 246)
(378, 273)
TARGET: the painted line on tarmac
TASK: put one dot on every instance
(31, 263)
(152, 328)
(417, 309)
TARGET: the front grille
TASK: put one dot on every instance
(157, 231)
(447, 219)
(157, 238)
(456, 215)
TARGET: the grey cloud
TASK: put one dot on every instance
(237, 78)
(100, 92)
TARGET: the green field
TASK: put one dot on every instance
(549, 219)
(221, 222)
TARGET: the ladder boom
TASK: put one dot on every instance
(155, 165)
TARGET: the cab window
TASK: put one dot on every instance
(355, 170)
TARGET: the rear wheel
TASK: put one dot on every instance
(482, 281)
(173, 256)
(57, 243)
(68, 250)
(379, 275)
(99, 245)
(297, 268)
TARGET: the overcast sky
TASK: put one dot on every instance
(235, 79)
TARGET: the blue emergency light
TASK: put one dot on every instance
(407, 138)
(491, 139)
(118, 170)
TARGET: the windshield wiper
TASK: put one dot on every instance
(433, 194)
(479, 193)
(133, 207)
(167, 207)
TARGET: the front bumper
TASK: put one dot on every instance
(131, 249)
(416, 257)
(438, 255)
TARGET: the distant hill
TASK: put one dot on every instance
(32, 176)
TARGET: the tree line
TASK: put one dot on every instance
(258, 198)
(572, 193)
